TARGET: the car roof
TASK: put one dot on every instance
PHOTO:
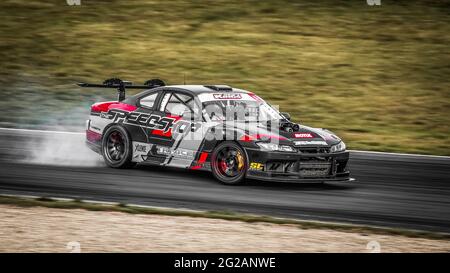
(193, 89)
(209, 88)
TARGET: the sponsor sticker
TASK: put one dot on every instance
(303, 135)
(226, 96)
(311, 142)
(140, 151)
(179, 152)
(141, 119)
(256, 166)
(140, 148)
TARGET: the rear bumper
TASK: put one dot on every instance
(94, 146)
(298, 167)
(93, 141)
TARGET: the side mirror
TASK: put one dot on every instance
(286, 115)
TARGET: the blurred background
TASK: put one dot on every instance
(379, 76)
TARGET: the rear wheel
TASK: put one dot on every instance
(229, 163)
(116, 148)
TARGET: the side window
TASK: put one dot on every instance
(178, 104)
(149, 101)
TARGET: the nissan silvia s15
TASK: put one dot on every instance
(230, 132)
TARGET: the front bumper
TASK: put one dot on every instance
(298, 167)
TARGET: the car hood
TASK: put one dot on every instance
(311, 137)
(304, 137)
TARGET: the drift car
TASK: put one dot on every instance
(231, 132)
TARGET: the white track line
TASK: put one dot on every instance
(353, 151)
(399, 154)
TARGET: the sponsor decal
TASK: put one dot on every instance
(95, 128)
(161, 125)
(180, 153)
(140, 151)
(310, 142)
(141, 119)
(140, 148)
(226, 96)
(303, 135)
(256, 166)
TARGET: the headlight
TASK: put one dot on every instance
(338, 147)
(275, 147)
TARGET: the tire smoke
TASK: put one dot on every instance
(61, 148)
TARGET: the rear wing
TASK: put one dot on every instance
(121, 85)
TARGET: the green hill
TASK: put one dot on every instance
(379, 76)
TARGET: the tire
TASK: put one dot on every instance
(229, 163)
(116, 148)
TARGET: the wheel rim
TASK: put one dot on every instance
(115, 146)
(229, 162)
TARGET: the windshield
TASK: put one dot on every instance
(240, 110)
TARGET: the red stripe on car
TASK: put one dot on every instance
(92, 136)
(201, 160)
(248, 138)
(159, 132)
(162, 133)
(105, 106)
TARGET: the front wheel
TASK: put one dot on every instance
(229, 163)
(116, 148)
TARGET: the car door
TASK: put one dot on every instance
(143, 124)
(180, 141)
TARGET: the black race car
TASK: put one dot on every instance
(231, 132)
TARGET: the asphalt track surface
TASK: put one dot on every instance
(392, 190)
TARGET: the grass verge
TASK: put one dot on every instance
(225, 215)
(376, 75)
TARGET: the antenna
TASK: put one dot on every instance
(184, 78)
